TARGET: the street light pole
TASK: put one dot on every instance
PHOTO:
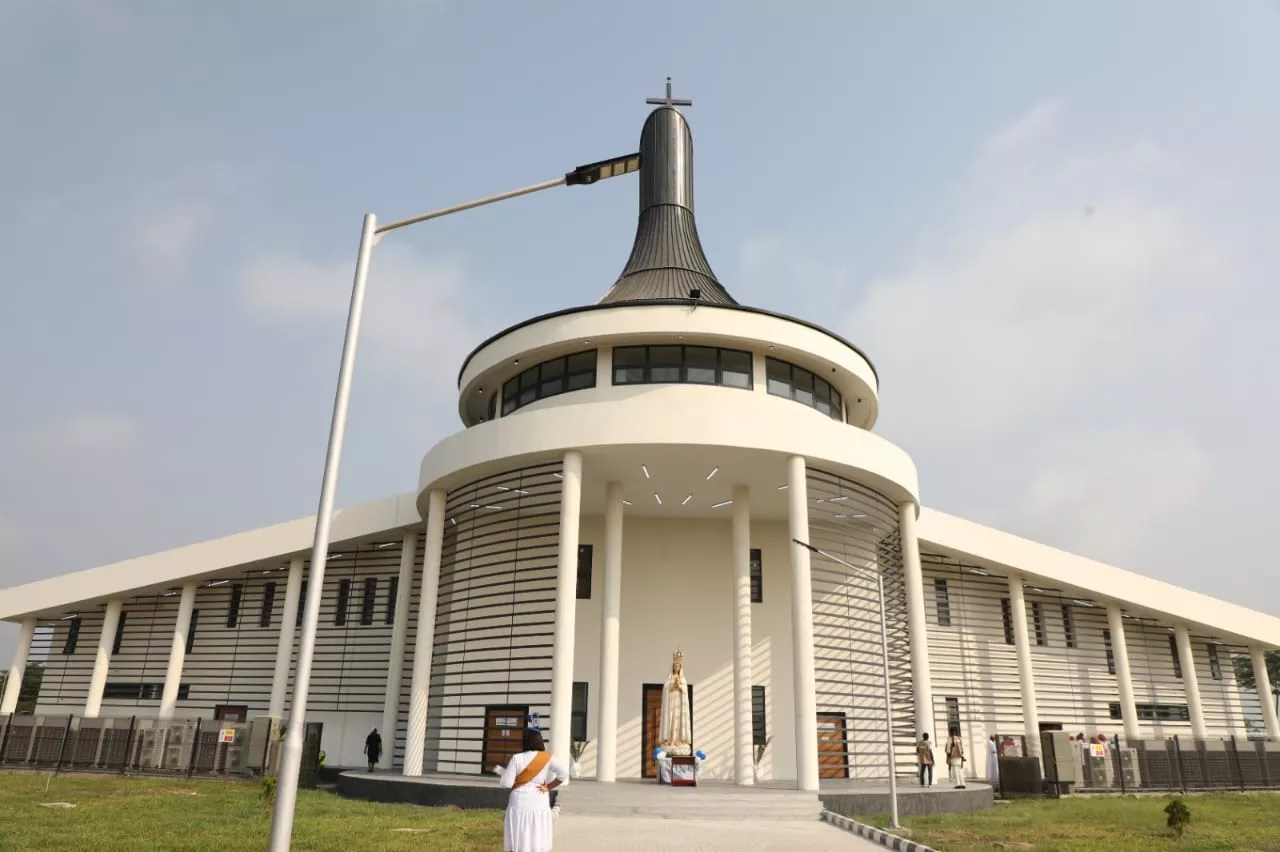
(884, 650)
(291, 757)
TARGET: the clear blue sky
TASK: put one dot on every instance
(1052, 227)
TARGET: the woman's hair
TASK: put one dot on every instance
(533, 741)
(955, 732)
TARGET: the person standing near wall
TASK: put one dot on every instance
(373, 748)
(955, 758)
(924, 757)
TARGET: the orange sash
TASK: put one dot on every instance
(539, 762)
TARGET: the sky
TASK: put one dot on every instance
(1053, 228)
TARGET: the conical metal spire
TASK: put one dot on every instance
(666, 260)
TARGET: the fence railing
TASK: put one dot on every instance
(136, 744)
(1174, 763)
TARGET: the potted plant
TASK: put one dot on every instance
(757, 755)
(576, 749)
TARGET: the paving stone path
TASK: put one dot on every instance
(623, 834)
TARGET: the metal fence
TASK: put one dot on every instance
(184, 747)
(1117, 765)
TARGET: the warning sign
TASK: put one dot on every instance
(227, 735)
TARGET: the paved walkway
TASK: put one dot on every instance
(624, 834)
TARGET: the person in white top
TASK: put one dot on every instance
(531, 775)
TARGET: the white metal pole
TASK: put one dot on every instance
(284, 645)
(888, 709)
(291, 761)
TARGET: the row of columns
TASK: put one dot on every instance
(1124, 677)
(607, 703)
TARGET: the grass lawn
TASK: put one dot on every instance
(146, 814)
(1230, 822)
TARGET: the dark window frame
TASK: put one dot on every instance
(1068, 626)
(73, 635)
(268, 604)
(646, 365)
(1177, 659)
(344, 601)
(558, 371)
(1152, 712)
(393, 591)
(756, 563)
(191, 630)
(578, 709)
(952, 703)
(1006, 614)
(809, 383)
(368, 601)
(1215, 662)
(586, 563)
(942, 601)
(1110, 650)
(1037, 623)
(119, 637)
(233, 604)
(759, 716)
(302, 603)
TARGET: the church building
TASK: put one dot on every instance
(665, 471)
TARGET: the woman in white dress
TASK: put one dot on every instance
(531, 776)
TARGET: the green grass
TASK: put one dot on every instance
(146, 814)
(1230, 822)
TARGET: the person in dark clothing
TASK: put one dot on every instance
(373, 748)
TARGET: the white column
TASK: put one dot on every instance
(610, 631)
(102, 662)
(917, 624)
(415, 738)
(1124, 680)
(806, 702)
(284, 645)
(1262, 682)
(177, 651)
(399, 631)
(566, 604)
(742, 674)
(1030, 717)
(1182, 637)
(13, 686)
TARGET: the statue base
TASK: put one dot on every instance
(678, 771)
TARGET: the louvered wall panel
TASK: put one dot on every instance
(495, 618)
(860, 526)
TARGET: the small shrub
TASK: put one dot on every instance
(1179, 816)
(268, 791)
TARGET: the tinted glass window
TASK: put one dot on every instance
(556, 376)
(700, 363)
(735, 368)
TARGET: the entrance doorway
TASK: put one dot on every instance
(503, 734)
(651, 708)
(833, 746)
(231, 713)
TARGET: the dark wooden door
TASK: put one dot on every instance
(652, 715)
(231, 713)
(833, 746)
(503, 734)
(651, 710)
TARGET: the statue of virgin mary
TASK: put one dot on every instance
(674, 730)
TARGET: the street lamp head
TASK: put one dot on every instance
(592, 172)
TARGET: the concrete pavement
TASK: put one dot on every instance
(575, 833)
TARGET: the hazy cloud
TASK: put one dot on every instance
(86, 436)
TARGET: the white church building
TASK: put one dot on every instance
(630, 479)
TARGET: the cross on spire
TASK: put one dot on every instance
(668, 100)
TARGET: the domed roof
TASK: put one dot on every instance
(667, 261)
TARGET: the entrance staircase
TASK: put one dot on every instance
(717, 801)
